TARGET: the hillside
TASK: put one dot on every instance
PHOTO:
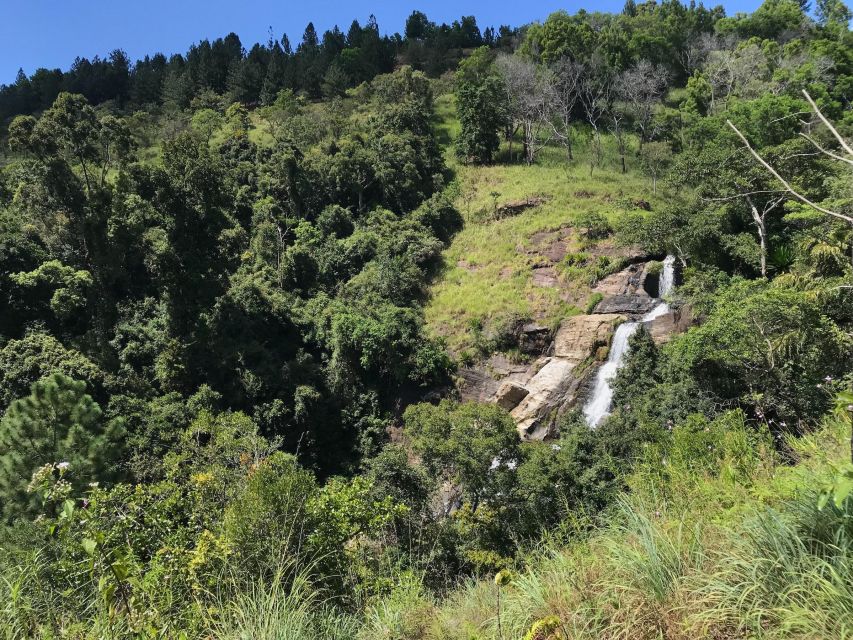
(517, 263)
(537, 333)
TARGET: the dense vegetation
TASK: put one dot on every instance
(231, 323)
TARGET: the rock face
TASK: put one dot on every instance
(536, 394)
(509, 394)
(629, 281)
(534, 338)
(676, 321)
(580, 336)
(635, 305)
(548, 391)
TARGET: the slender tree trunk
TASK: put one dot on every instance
(762, 235)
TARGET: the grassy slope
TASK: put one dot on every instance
(729, 544)
(489, 266)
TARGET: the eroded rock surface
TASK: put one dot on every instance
(666, 326)
(634, 305)
(548, 391)
(580, 336)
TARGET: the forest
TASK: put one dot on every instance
(300, 343)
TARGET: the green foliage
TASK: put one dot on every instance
(481, 105)
(264, 298)
(57, 424)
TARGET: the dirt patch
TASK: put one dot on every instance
(467, 266)
(552, 246)
(545, 277)
(515, 207)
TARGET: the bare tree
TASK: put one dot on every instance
(527, 89)
(596, 96)
(642, 87)
(617, 114)
(743, 71)
(656, 157)
(696, 51)
(564, 86)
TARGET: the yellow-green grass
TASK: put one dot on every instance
(488, 270)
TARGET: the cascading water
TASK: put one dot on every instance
(598, 406)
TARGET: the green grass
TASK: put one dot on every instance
(489, 266)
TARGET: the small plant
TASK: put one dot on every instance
(503, 578)
(544, 629)
(594, 299)
(595, 226)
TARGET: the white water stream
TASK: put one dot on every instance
(598, 406)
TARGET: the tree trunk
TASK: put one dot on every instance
(762, 234)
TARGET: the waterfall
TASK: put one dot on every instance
(598, 406)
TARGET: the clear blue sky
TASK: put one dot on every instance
(51, 33)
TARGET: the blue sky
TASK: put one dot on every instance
(51, 33)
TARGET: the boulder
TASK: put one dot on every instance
(551, 388)
(580, 336)
(509, 395)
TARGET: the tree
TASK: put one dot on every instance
(528, 101)
(58, 425)
(481, 103)
(642, 87)
(638, 372)
(596, 96)
(206, 122)
(656, 157)
(564, 85)
(473, 447)
(845, 156)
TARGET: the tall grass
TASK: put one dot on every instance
(279, 609)
(759, 561)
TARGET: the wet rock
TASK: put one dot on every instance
(676, 321)
(580, 336)
(627, 304)
(509, 395)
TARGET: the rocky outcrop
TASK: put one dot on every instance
(510, 394)
(676, 321)
(633, 305)
(547, 391)
(537, 393)
(629, 281)
(534, 338)
(580, 336)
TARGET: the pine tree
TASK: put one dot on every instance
(58, 423)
